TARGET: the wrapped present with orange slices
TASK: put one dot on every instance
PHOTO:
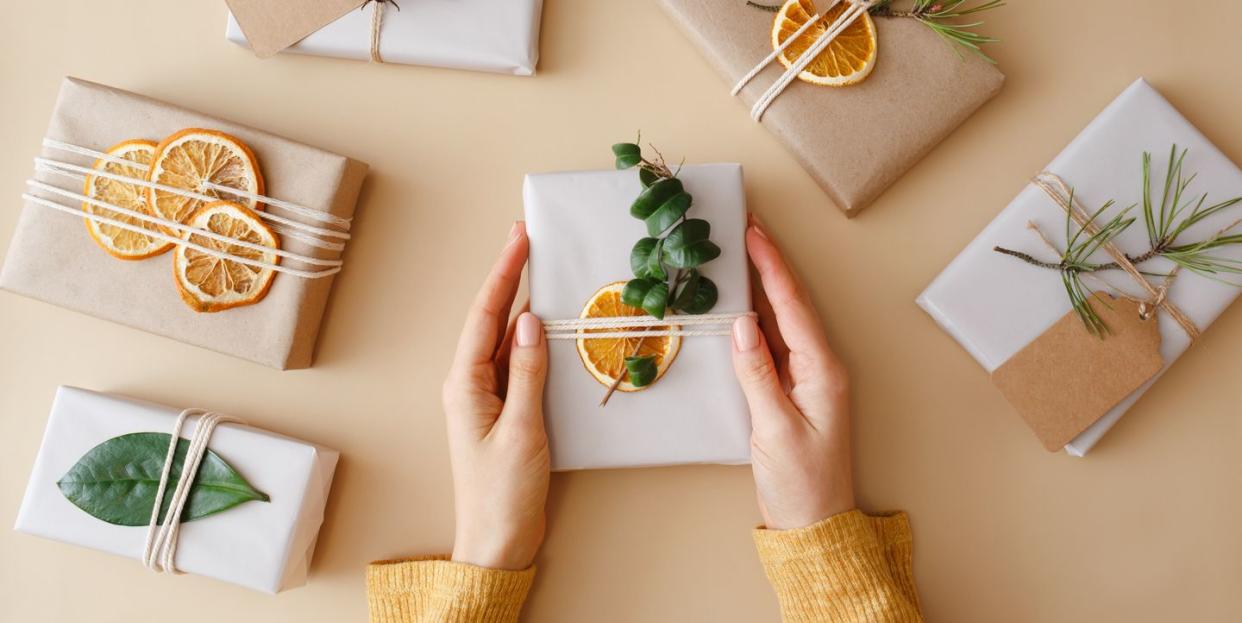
(858, 90)
(638, 276)
(184, 225)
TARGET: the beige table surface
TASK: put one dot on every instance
(1145, 529)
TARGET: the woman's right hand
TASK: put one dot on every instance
(798, 392)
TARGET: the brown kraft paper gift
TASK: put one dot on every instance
(855, 141)
(52, 257)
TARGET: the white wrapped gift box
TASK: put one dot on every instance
(581, 234)
(265, 546)
(499, 36)
(995, 305)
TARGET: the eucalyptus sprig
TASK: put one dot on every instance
(938, 15)
(1178, 211)
(666, 262)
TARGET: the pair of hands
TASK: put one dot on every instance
(796, 388)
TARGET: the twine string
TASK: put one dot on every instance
(628, 327)
(160, 549)
(843, 21)
(377, 20)
(1157, 297)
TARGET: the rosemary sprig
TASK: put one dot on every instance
(1177, 212)
(939, 16)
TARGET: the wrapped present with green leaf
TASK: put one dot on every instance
(1107, 266)
(183, 491)
(858, 90)
(638, 273)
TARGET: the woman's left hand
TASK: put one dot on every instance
(493, 400)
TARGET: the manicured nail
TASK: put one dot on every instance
(758, 227)
(529, 330)
(745, 333)
(513, 232)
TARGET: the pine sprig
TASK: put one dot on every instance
(1176, 213)
(939, 16)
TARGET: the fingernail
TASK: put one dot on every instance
(758, 227)
(513, 231)
(745, 333)
(529, 330)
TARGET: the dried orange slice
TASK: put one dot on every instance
(210, 283)
(850, 57)
(605, 358)
(194, 156)
(120, 242)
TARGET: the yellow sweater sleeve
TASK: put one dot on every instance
(849, 568)
(423, 590)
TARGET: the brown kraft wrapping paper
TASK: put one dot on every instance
(53, 259)
(855, 141)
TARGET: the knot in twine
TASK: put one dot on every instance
(377, 20)
(160, 551)
(1157, 297)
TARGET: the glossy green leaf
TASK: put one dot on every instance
(668, 214)
(647, 177)
(687, 245)
(636, 290)
(697, 296)
(656, 300)
(642, 370)
(646, 259)
(116, 481)
(628, 154)
(654, 196)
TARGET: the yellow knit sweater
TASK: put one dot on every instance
(848, 568)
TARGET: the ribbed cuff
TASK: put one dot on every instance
(849, 567)
(436, 589)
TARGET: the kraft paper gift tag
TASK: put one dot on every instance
(265, 546)
(581, 234)
(995, 305)
(1064, 380)
(855, 141)
(500, 36)
(52, 257)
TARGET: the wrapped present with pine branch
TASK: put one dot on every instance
(1106, 267)
(111, 476)
(638, 274)
(858, 90)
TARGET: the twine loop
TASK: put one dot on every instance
(377, 20)
(1157, 297)
(628, 327)
(160, 551)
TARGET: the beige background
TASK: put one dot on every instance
(1145, 529)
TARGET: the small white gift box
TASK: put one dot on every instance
(499, 36)
(581, 234)
(995, 305)
(263, 545)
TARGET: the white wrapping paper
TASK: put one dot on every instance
(499, 36)
(994, 305)
(581, 233)
(265, 546)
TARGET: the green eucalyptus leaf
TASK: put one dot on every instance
(642, 370)
(116, 481)
(668, 214)
(654, 196)
(698, 296)
(656, 300)
(646, 259)
(687, 245)
(636, 290)
(628, 155)
(647, 177)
